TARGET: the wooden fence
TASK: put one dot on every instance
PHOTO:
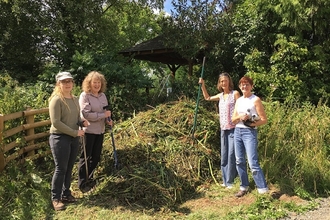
(27, 142)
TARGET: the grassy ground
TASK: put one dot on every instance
(210, 202)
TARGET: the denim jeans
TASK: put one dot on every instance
(246, 143)
(65, 150)
(227, 152)
(94, 143)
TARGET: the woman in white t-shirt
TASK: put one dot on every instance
(249, 113)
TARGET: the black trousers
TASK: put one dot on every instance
(93, 146)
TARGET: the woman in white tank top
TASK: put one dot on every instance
(249, 113)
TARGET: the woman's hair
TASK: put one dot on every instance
(231, 84)
(58, 92)
(245, 79)
(86, 85)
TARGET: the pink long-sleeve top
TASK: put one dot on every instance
(92, 110)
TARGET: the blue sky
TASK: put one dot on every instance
(167, 6)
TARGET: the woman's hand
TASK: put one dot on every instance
(86, 123)
(81, 133)
(110, 123)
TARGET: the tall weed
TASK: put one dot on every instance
(294, 147)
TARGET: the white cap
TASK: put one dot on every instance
(63, 75)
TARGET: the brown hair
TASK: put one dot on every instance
(86, 85)
(231, 84)
(245, 79)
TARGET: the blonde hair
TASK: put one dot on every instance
(58, 92)
(86, 85)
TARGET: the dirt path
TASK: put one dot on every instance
(321, 213)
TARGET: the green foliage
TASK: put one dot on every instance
(33, 35)
(294, 148)
(283, 48)
(21, 38)
(24, 192)
(262, 208)
(15, 98)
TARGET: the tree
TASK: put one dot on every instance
(36, 33)
(287, 52)
(203, 28)
(21, 38)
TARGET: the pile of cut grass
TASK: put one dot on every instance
(161, 163)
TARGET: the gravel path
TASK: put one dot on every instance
(321, 213)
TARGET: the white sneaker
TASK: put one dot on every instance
(263, 191)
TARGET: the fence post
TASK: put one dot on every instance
(30, 131)
(2, 157)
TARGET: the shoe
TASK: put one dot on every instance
(69, 199)
(58, 205)
(241, 193)
(223, 185)
(85, 189)
(263, 191)
(87, 186)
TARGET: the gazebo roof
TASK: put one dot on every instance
(154, 50)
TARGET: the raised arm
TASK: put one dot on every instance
(206, 95)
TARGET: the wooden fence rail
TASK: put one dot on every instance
(27, 143)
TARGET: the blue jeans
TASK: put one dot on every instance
(227, 152)
(246, 143)
(65, 150)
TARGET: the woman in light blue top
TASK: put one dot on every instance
(226, 98)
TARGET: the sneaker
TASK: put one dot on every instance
(58, 205)
(69, 199)
(263, 191)
(241, 193)
(223, 185)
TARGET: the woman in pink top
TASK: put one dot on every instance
(227, 99)
(91, 101)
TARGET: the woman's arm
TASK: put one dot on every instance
(206, 95)
(261, 112)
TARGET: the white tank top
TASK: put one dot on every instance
(244, 106)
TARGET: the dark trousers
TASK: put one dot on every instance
(65, 151)
(93, 146)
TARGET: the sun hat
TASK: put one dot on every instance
(63, 75)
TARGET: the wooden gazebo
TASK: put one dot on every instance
(154, 50)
